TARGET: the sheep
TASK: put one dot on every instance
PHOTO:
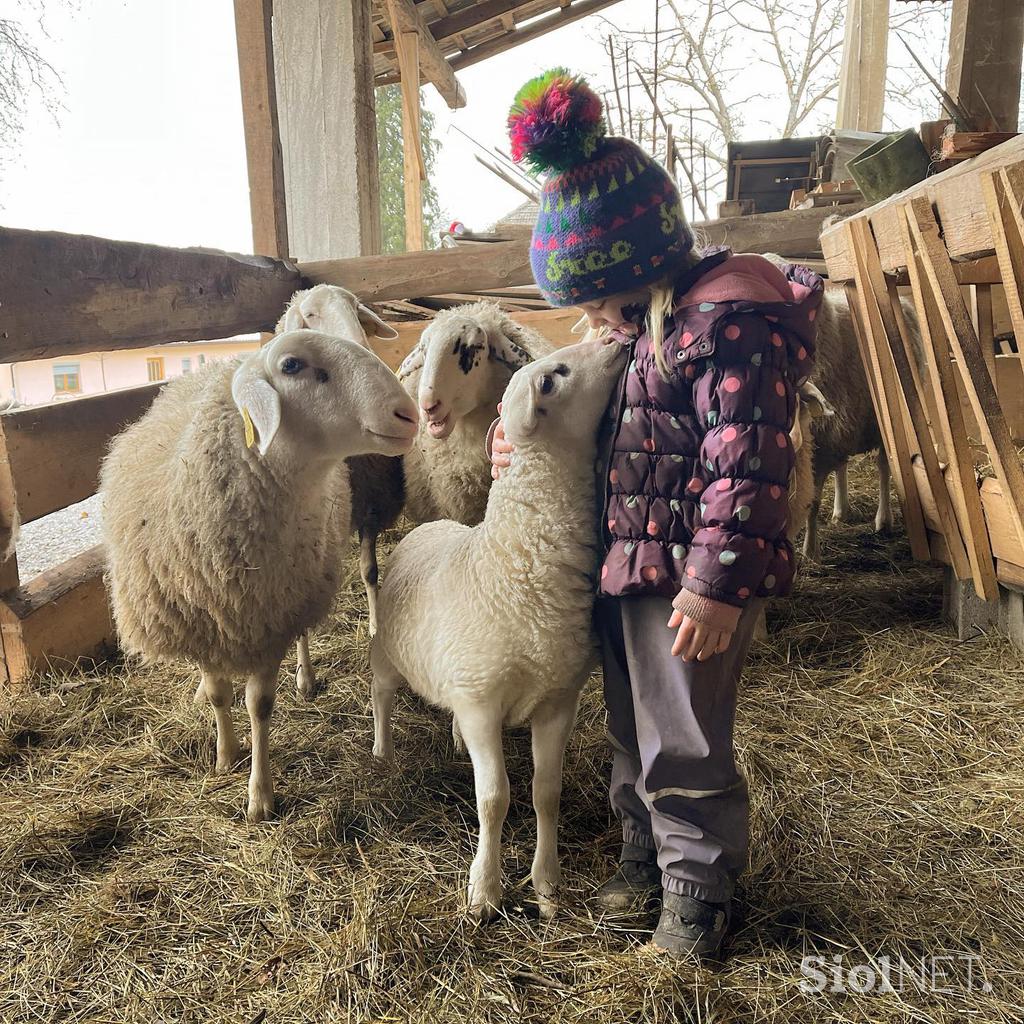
(457, 372)
(224, 509)
(377, 482)
(493, 622)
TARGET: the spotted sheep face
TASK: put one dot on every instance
(464, 366)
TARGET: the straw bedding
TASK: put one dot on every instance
(886, 767)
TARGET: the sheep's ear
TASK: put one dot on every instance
(520, 417)
(819, 405)
(258, 403)
(505, 349)
(412, 362)
(292, 319)
(374, 325)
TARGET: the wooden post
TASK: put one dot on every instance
(986, 39)
(253, 36)
(407, 49)
(862, 75)
(323, 60)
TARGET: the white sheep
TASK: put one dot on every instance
(377, 482)
(458, 372)
(493, 622)
(225, 508)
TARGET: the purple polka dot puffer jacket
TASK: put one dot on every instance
(698, 465)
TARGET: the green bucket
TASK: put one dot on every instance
(890, 165)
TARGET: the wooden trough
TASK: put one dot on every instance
(951, 415)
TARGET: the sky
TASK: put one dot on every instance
(149, 143)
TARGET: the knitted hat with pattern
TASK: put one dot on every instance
(610, 217)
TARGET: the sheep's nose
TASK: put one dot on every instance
(404, 415)
(429, 407)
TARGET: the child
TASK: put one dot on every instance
(694, 475)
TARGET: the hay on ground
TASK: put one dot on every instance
(887, 773)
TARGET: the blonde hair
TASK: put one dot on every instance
(659, 309)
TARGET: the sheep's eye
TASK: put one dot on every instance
(292, 365)
(547, 384)
(311, 316)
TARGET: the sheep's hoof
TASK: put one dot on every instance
(883, 523)
(484, 901)
(841, 515)
(261, 808)
(228, 760)
(384, 751)
(305, 682)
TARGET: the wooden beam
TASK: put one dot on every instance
(786, 233)
(406, 275)
(413, 170)
(862, 74)
(323, 61)
(540, 27)
(986, 38)
(433, 64)
(264, 159)
(959, 203)
(54, 451)
(63, 294)
(56, 619)
(476, 14)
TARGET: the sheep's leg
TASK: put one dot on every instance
(386, 681)
(260, 690)
(551, 724)
(481, 729)
(305, 677)
(812, 547)
(457, 741)
(368, 570)
(883, 518)
(841, 502)
(221, 695)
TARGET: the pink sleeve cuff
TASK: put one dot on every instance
(711, 613)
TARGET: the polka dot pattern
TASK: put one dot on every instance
(732, 384)
(706, 307)
(769, 582)
(678, 552)
(732, 332)
(723, 485)
(775, 491)
(729, 435)
(696, 485)
(743, 592)
(742, 513)
(649, 573)
(652, 528)
(691, 571)
(727, 557)
(781, 439)
(780, 388)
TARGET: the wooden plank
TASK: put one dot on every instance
(911, 388)
(54, 451)
(64, 294)
(959, 206)
(862, 72)
(1005, 542)
(323, 62)
(960, 331)
(435, 67)
(898, 427)
(1010, 575)
(264, 159)
(986, 38)
(941, 379)
(59, 618)
(406, 275)
(475, 14)
(413, 172)
(981, 314)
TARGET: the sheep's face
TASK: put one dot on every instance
(329, 396)
(456, 376)
(334, 310)
(563, 396)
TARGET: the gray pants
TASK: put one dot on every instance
(675, 786)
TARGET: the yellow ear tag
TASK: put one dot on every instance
(250, 433)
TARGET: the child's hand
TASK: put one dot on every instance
(697, 641)
(501, 450)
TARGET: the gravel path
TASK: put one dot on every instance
(53, 539)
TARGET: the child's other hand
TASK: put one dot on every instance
(501, 450)
(696, 641)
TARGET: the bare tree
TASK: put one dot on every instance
(24, 72)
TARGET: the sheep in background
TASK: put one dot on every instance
(377, 482)
(458, 372)
(224, 510)
(493, 622)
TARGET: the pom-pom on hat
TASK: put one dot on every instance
(610, 218)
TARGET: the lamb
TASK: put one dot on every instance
(377, 482)
(493, 622)
(458, 372)
(225, 508)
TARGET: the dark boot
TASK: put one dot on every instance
(688, 927)
(634, 886)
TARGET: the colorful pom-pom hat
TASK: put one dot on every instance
(610, 218)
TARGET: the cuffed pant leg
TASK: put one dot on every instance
(683, 714)
(626, 804)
